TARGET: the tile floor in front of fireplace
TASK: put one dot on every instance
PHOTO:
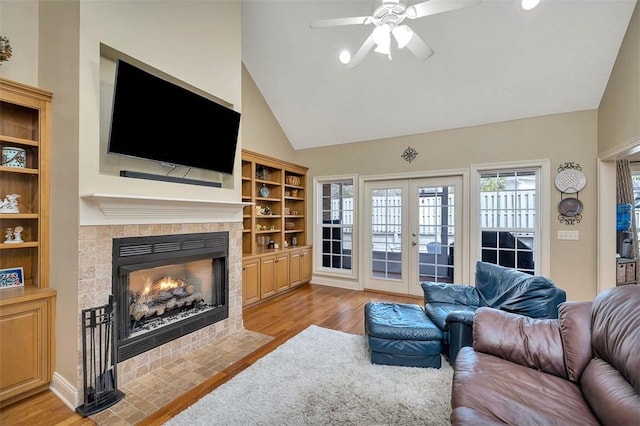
(150, 392)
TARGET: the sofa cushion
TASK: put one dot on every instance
(534, 343)
(399, 321)
(460, 294)
(575, 331)
(508, 393)
(515, 291)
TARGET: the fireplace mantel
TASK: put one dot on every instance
(117, 206)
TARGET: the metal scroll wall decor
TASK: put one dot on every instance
(570, 181)
(409, 154)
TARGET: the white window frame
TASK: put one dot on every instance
(542, 248)
(352, 273)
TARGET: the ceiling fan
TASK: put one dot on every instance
(388, 18)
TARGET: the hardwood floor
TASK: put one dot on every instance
(282, 318)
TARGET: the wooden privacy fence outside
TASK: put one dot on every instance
(498, 210)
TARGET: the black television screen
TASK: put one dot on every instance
(158, 120)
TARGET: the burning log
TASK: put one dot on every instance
(161, 296)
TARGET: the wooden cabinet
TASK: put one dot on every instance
(267, 276)
(26, 342)
(282, 272)
(250, 280)
(299, 266)
(278, 193)
(305, 265)
(26, 313)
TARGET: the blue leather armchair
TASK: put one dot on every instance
(451, 306)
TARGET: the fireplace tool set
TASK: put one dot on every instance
(98, 359)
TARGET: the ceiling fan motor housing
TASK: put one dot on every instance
(390, 12)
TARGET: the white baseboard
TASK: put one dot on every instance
(65, 391)
(335, 282)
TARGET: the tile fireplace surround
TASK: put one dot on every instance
(94, 288)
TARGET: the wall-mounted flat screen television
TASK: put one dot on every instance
(155, 119)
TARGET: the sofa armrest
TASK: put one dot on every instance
(460, 294)
(534, 343)
(459, 332)
(464, 317)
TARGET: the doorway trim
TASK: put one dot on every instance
(465, 198)
(606, 239)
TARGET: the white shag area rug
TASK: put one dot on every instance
(325, 377)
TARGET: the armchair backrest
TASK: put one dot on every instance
(514, 291)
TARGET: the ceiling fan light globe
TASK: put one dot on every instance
(529, 4)
(344, 57)
(403, 35)
(381, 34)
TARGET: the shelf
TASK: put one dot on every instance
(20, 141)
(18, 215)
(13, 246)
(23, 170)
(261, 171)
(268, 182)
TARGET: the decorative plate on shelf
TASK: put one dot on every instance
(264, 191)
(570, 181)
(570, 207)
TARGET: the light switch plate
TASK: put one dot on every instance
(568, 235)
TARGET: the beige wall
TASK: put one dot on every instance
(559, 138)
(59, 73)
(261, 132)
(619, 111)
(19, 23)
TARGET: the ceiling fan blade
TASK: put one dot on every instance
(419, 48)
(432, 7)
(362, 52)
(336, 22)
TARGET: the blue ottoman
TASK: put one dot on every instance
(401, 334)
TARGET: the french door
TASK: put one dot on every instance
(412, 227)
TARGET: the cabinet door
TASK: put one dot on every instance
(282, 272)
(24, 352)
(294, 268)
(250, 281)
(267, 276)
(305, 265)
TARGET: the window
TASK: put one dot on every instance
(509, 212)
(335, 222)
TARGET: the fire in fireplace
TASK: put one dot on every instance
(168, 286)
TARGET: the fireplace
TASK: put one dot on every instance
(168, 286)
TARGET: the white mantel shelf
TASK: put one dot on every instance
(117, 206)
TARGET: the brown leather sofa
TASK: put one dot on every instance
(580, 369)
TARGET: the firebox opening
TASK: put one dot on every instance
(166, 294)
(168, 286)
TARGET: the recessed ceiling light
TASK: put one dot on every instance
(345, 57)
(529, 4)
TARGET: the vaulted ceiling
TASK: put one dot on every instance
(493, 62)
